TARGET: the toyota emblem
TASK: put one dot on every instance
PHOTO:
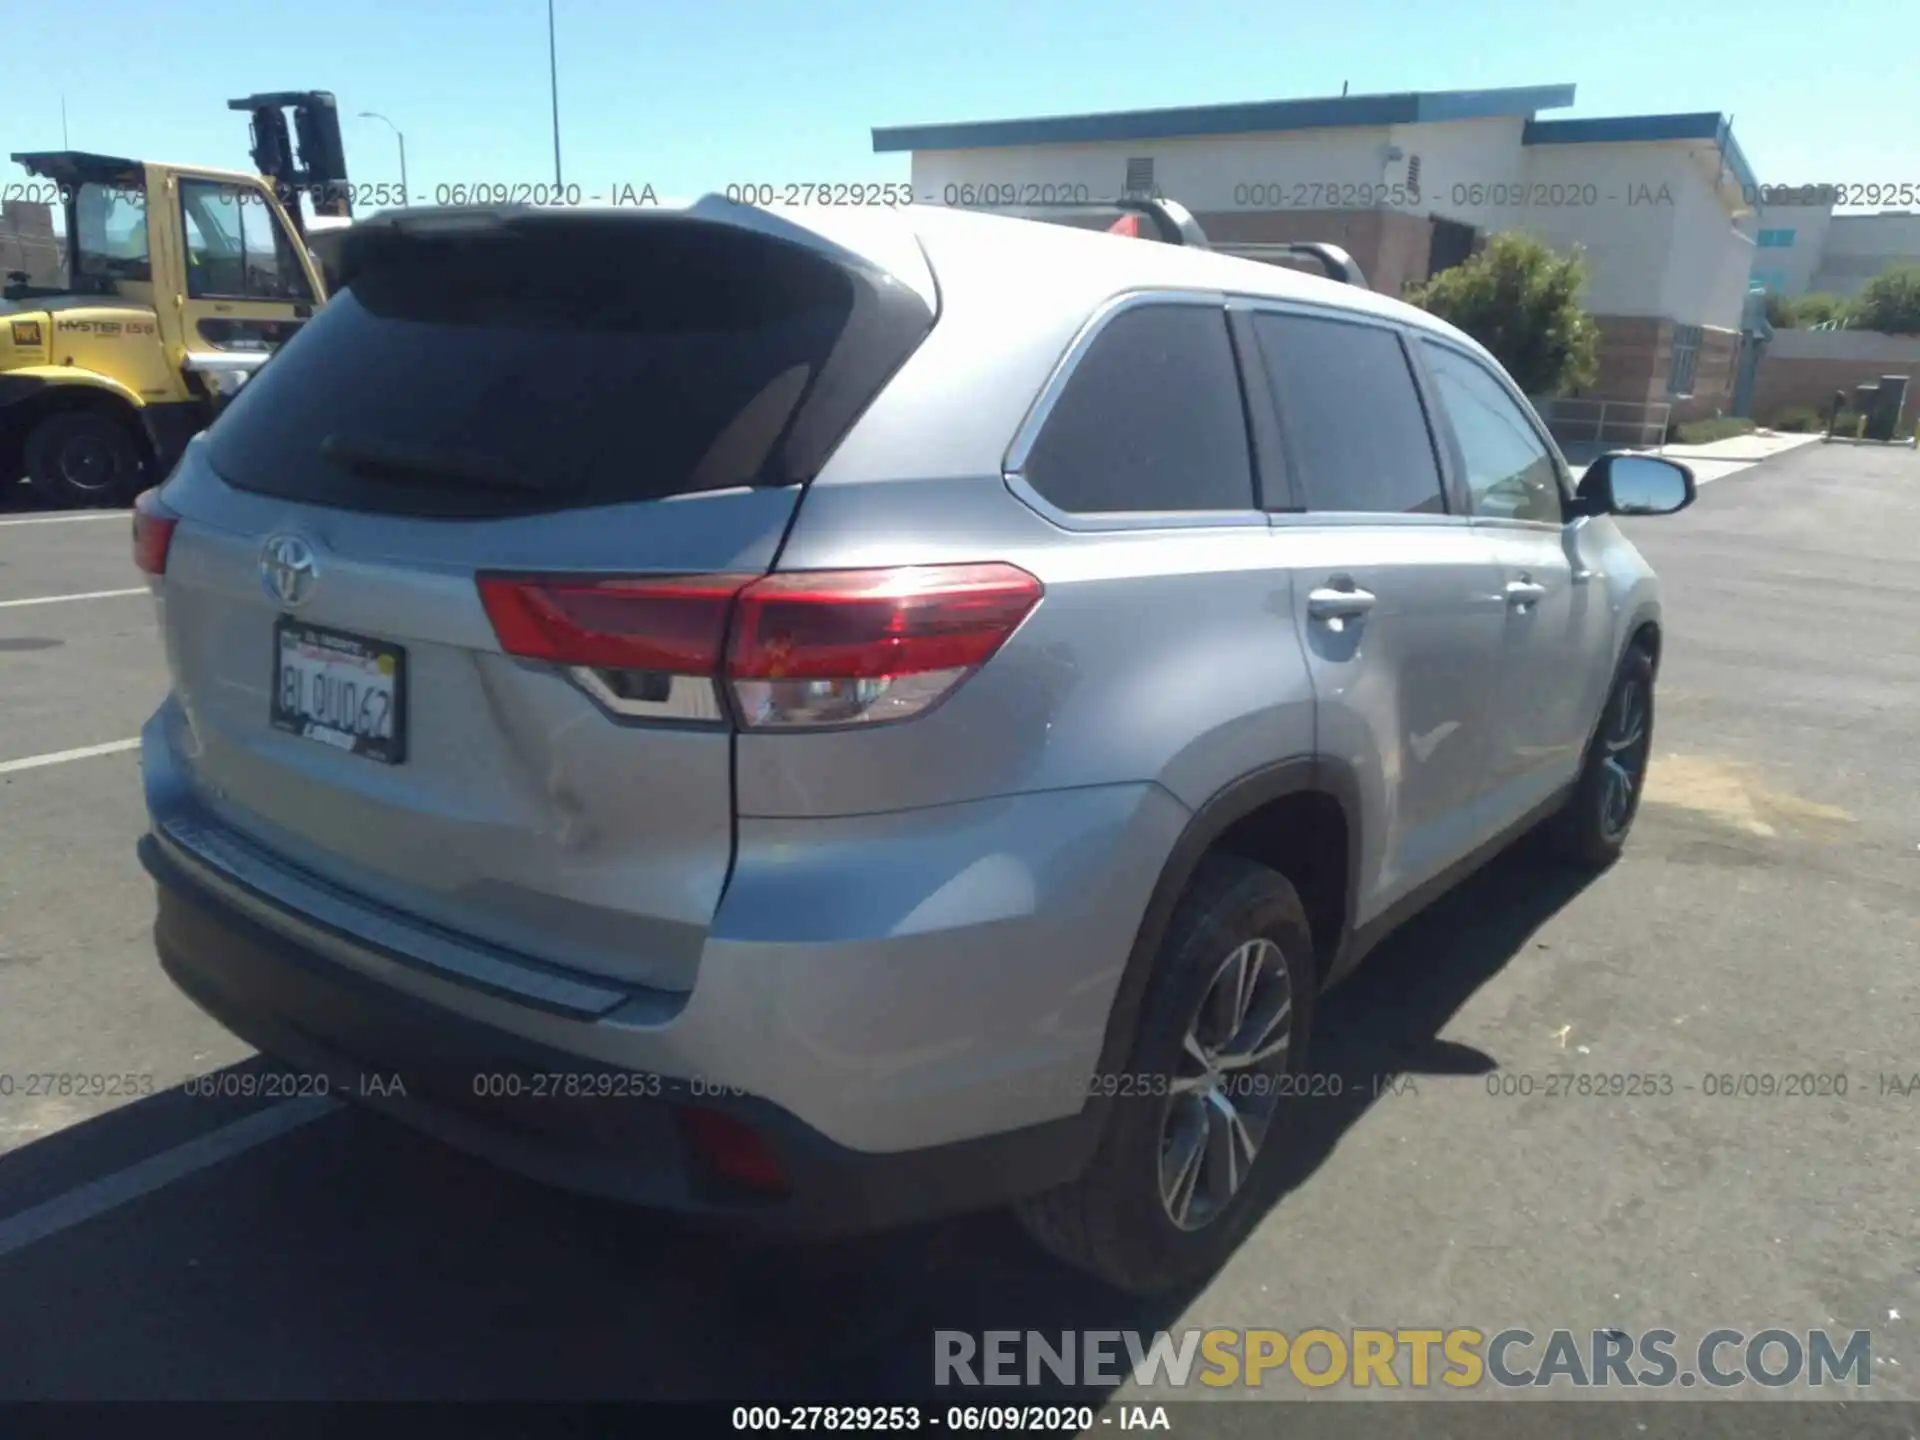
(288, 569)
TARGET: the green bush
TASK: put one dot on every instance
(1890, 302)
(1847, 427)
(1811, 310)
(1799, 420)
(1705, 432)
(1522, 301)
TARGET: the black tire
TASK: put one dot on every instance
(79, 458)
(1112, 1221)
(1592, 829)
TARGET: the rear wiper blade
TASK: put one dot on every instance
(380, 458)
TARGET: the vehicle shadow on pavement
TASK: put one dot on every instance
(1382, 1027)
(353, 1259)
(1375, 1031)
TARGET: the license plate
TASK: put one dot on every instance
(341, 690)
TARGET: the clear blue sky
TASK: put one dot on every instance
(693, 96)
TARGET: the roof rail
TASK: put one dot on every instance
(1169, 221)
(1172, 223)
(1334, 262)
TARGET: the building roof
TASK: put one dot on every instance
(1619, 129)
(1251, 117)
(1332, 112)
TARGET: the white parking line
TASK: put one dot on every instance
(82, 595)
(60, 757)
(120, 515)
(110, 1192)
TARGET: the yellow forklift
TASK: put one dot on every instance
(180, 281)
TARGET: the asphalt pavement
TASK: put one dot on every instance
(1764, 922)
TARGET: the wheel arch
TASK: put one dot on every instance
(1644, 631)
(1233, 815)
(28, 397)
(1641, 631)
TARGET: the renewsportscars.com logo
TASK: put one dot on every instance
(1459, 1358)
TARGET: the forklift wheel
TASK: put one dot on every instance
(82, 457)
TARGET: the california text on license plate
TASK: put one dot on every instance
(342, 690)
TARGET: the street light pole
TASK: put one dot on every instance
(406, 195)
(553, 76)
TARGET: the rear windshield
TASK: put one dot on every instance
(551, 366)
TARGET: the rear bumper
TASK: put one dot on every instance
(895, 981)
(618, 1134)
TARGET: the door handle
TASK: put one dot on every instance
(1522, 593)
(1327, 603)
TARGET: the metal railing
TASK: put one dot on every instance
(1606, 422)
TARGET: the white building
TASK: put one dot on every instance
(1807, 249)
(1662, 205)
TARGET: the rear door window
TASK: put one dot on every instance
(1151, 419)
(549, 364)
(1351, 414)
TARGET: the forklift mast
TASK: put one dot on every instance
(319, 169)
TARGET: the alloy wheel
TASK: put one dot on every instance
(1623, 759)
(1222, 1101)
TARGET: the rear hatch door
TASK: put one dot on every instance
(563, 395)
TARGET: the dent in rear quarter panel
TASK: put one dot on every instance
(1165, 656)
(927, 976)
(973, 879)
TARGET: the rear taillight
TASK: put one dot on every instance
(852, 647)
(795, 651)
(152, 533)
(670, 626)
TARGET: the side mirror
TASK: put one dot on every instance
(1628, 484)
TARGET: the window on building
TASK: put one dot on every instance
(1510, 472)
(1776, 239)
(1686, 359)
(1150, 420)
(1774, 280)
(1349, 408)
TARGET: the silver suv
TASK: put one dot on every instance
(829, 718)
